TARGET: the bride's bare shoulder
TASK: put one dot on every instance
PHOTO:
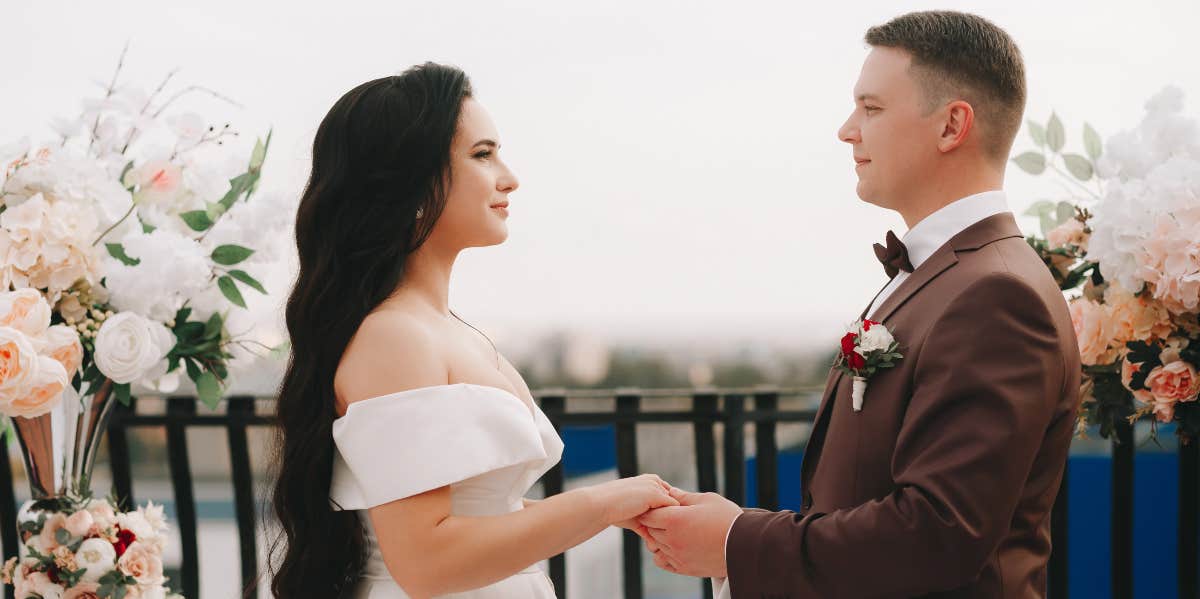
(393, 350)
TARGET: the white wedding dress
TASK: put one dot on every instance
(484, 442)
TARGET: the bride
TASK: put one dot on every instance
(407, 442)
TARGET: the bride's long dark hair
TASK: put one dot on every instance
(381, 155)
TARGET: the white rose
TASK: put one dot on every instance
(25, 310)
(97, 556)
(878, 338)
(18, 363)
(136, 523)
(128, 345)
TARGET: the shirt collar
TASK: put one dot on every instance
(936, 229)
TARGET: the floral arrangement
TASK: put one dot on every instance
(90, 551)
(137, 229)
(1126, 249)
(867, 347)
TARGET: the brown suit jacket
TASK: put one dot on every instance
(942, 485)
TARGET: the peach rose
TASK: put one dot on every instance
(62, 343)
(103, 513)
(18, 363)
(1136, 318)
(38, 584)
(1093, 331)
(25, 310)
(1068, 233)
(142, 563)
(1173, 382)
(45, 391)
(83, 590)
(80, 523)
(48, 536)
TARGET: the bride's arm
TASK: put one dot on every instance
(430, 552)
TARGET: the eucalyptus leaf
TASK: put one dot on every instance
(1031, 162)
(1063, 212)
(1039, 208)
(1078, 166)
(1056, 136)
(1037, 132)
(1091, 142)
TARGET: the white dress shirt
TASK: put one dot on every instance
(936, 229)
(922, 241)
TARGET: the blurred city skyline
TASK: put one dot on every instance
(682, 182)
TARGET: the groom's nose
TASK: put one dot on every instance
(849, 131)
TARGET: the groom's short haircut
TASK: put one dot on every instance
(957, 55)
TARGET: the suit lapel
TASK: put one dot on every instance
(988, 230)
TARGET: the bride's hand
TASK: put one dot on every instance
(622, 501)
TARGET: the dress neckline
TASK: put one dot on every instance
(531, 410)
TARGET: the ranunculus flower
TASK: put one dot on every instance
(1093, 330)
(18, 363)
(142, 563)
(1173, 382)
(97, 556)
(128, 345)
(25, 310)
(44, 393)
(80, 523)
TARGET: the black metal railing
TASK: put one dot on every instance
(730, 408)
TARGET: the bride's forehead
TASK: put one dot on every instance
(475, 123)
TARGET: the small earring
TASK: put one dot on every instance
(420, 212)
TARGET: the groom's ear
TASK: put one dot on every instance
(957, 122)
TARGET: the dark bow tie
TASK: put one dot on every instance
(894, 257)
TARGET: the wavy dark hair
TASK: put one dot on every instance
(381, 155)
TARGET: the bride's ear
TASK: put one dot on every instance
(957, 122)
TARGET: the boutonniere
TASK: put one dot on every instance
(867, 347)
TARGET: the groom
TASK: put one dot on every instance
(942, 484)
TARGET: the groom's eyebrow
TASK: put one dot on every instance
(865, 97)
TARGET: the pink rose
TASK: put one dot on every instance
(80, 523)
(1164, 412)
(1093, 330)
(1068, 233)
(1173, 382)
(142, 563)
(83, 590)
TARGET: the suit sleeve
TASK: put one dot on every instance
(985, 384)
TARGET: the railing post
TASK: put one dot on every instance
(1059, 546)
(1122, 510)
(735, 449)
(629, 404)
(178, 410)
(1189, 502)
(554, 406)
(766, 452)
(238, 410)
(118, 453)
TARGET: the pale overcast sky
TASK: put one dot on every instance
(681, 175)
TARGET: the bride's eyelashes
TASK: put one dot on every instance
(482, 155)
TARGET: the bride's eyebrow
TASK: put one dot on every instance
(485, 142)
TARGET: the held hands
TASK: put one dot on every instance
(689, 539)
(622, 501)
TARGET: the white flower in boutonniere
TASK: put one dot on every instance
(867, 347)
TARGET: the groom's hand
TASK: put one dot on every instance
(690, 539)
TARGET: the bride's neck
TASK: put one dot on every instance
(427, 276)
